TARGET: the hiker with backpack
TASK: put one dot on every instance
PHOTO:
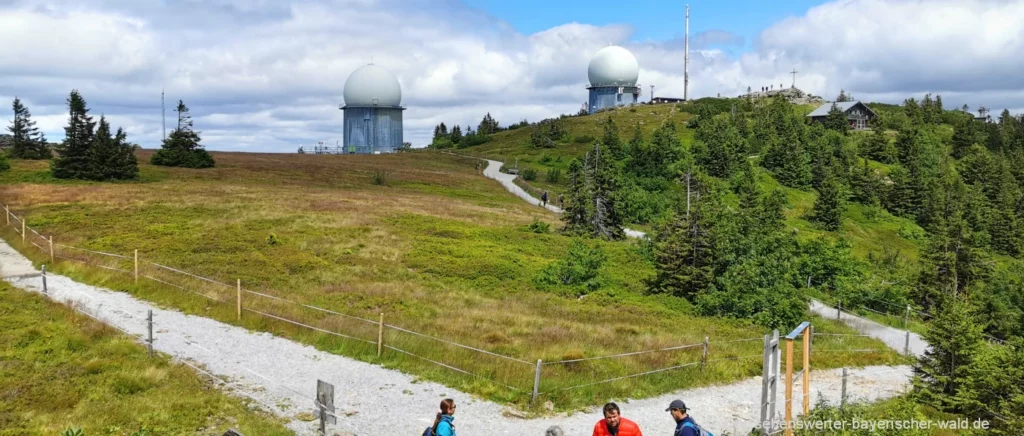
(685, 425)
(544, 199)
(615, 425)
(443, 425)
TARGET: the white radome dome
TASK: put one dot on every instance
(613, 65)
(372, 85)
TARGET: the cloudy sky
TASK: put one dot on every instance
(267, 75)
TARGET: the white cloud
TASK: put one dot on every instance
(267, 75)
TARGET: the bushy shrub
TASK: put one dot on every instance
(529, 174)
(577, 272)
(554, 175)
(380, 177)
(4, 164)
(538, 226)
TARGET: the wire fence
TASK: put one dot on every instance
(516, 374)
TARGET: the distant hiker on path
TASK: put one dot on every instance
(443, 425)
(544, 199)
(685, 425)
(561, 201)
(615, 425)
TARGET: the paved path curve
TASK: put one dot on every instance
(372, 400)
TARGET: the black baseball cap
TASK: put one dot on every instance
(677, 404)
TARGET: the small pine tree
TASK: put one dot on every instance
(842, 96)
(719, 148)
(611, 139)
(74, 153)
(836, 120)
(954, 338)
(113, 158)
(828, 208)
(182, 147)
(456, 135)
(577, 202)
(607, 222)
(683, 247)
(27, 142)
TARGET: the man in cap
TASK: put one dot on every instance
(685, 425)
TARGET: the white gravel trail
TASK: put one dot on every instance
(493, 171)
(372, 400)
(894, 338)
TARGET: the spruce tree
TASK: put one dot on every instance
(576, 215)
(611, 139)
(913, 111)
(27, 142)
(456, 135)
(683, 247)
(75, 160)
(865, 185)
(878, 146)
(836, 120)
(787, 157)
(831, 201)
(954, 338)
(719, 148)
(182, 147)
(488, 125)
(607, 222)
(842, 96)
(112, 156)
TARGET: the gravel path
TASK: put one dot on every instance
(493, 171)
(372, 400)
(893, 337)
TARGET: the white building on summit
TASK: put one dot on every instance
(613, 73)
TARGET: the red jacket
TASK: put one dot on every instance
(626, 428)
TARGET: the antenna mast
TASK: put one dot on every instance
(686, 58)
(163, 113)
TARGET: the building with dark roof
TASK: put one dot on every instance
(857, 113)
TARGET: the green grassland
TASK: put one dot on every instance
(436, 248)
(60, 369)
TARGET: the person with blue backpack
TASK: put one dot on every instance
(685, 425)
(444, 425)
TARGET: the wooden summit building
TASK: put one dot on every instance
(857, 113)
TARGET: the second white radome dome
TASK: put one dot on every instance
(372, 85)
(613, 66)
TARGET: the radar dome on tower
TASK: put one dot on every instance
(372, 111)
(372, 85)
(613, 66)
(613, 72)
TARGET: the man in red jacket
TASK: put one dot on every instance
(615, 425)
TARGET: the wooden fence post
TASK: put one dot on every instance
(150, 340)
(51, 249)
(789, 387)
(136, 266)
(807, 370)
(380, 335)
(23, 229)
(704, 357)
(536, 382)
(842, 398)
(7, 214)
(238, 291)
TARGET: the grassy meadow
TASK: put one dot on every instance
(416, 236)
(61, 370)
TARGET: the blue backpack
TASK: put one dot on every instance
(700, 431)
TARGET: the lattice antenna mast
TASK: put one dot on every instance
(686, 58)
